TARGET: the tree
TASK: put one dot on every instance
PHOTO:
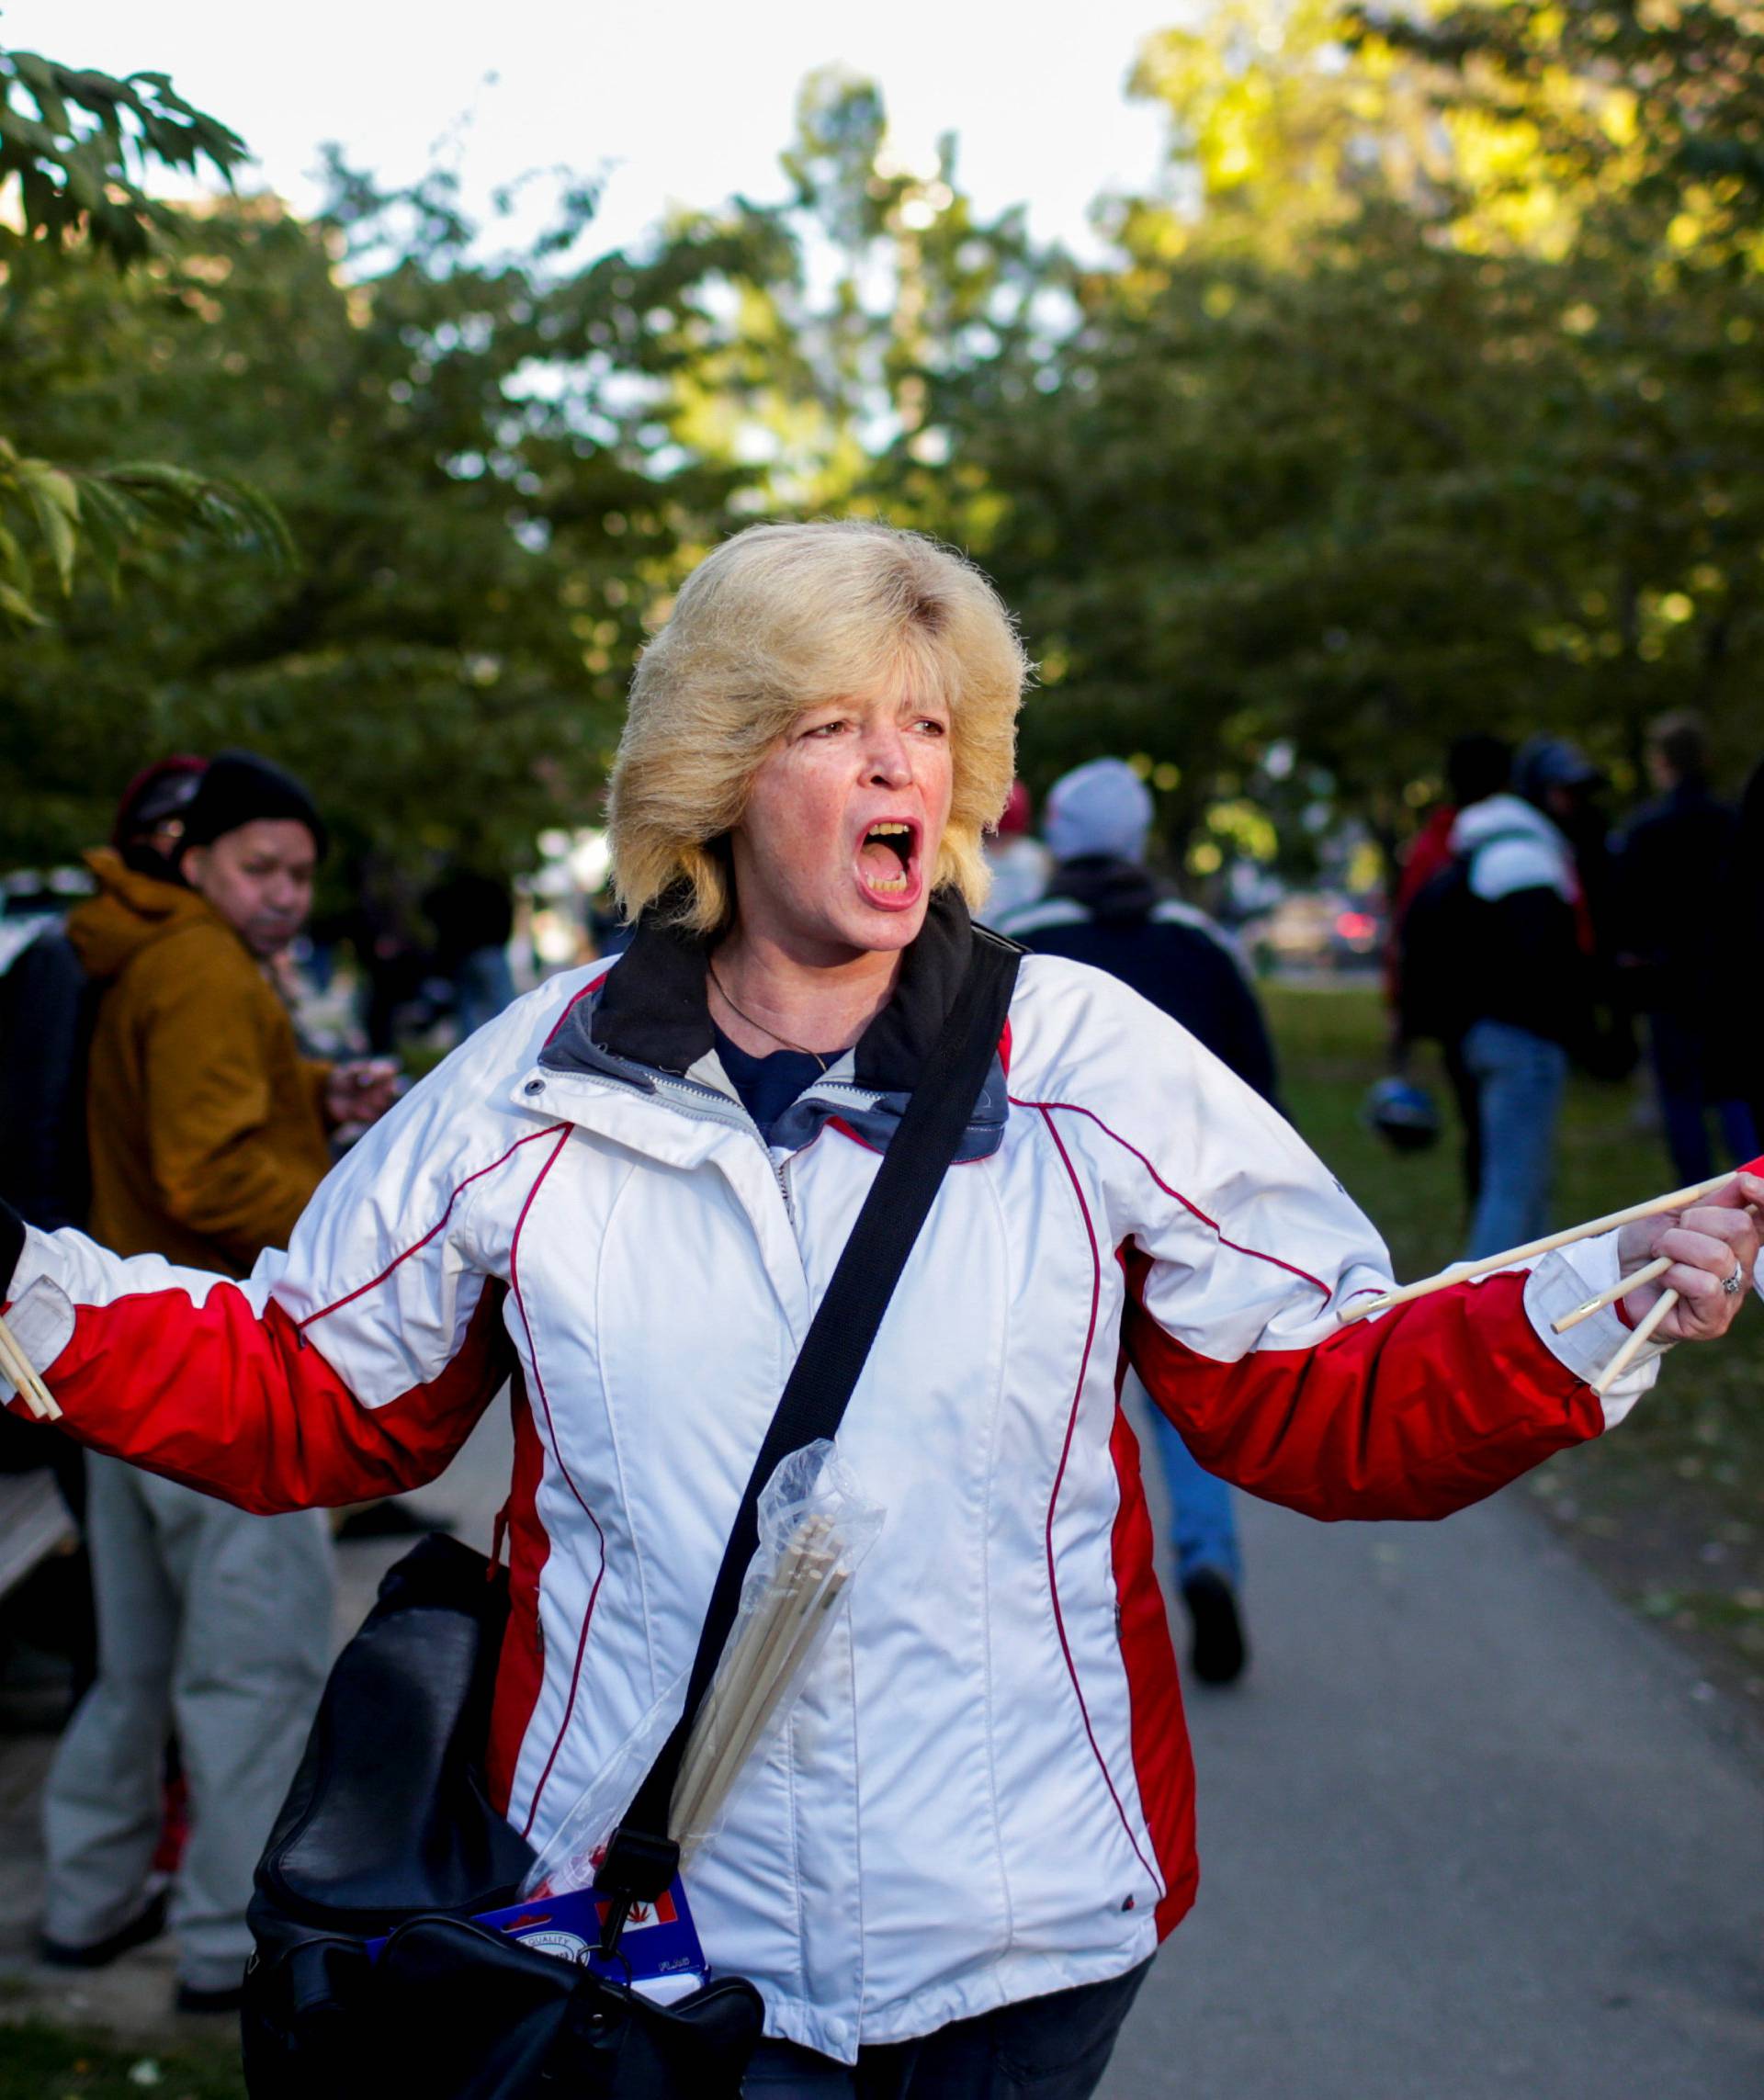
(1380, 430)
(77, 148)
(467, 448)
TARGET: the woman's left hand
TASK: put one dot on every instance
(1709, 1244)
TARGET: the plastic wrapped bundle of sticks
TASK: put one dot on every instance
(1656, 1206)
(814, 1532)
(789, 1604)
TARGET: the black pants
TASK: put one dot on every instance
(1055, 2048)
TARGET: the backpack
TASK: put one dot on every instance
(1438, 933)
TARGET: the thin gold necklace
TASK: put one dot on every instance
(722, 993)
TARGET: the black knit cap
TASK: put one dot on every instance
(241, 788)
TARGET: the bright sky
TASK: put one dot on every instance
(681, 103)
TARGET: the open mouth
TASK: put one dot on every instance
(885, 860)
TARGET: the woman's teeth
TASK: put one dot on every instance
(891, 885)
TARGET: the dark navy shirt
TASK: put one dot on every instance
(767, 1085)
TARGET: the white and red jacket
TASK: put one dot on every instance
(986, 1792)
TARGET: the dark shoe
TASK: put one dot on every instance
(1220, 1650)
(101, 1953)
(227, 2000)
(390, 1521)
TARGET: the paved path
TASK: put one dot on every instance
(1469, 1832)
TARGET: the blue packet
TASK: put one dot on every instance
(659, 1952)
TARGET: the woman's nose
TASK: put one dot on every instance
(890, 763)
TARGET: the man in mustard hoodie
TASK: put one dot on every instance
(208, 1133)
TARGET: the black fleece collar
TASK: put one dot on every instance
(652, 1008)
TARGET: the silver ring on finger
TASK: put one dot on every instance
(1733, 1285)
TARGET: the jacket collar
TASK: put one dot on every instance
(647, 1026)
(653, 1009)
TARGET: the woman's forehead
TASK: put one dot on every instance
(900, 685)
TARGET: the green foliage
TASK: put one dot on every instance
(467, 451)
(1424, 398)
(76, 147)
(1651, 117)
(1420, 395)
(80, 146)
(103, 513)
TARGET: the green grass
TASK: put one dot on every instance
(1670, 1508)
(42, 2062)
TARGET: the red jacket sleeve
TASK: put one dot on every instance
(1417, 1414)
(241, 1404)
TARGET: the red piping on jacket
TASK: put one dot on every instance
(417, 1246)
(1194, 1210)
(1053, 1502)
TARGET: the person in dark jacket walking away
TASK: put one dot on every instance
(1102, 907)
(1557, 776)
(1680, 971)
(1476, 765)
(1496, 968)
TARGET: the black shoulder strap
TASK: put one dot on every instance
(640, 1862)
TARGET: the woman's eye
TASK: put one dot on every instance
(825, 729)
(931, 723)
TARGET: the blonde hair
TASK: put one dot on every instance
(783, 617)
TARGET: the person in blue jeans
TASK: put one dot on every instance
(1496, 966)
(1101, 906)
(1520, 1077)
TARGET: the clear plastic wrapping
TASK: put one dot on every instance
(575, 1848)
(814, 1531)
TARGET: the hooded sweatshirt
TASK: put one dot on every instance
(207, 1126)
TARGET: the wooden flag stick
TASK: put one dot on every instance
(794, 1607)
(1644, 1326)
(1621, 1289)
(735, 1672)
(767, 1697)
(16, 1367)
(761, 1643)
(1461, 1271)
(807, 1633)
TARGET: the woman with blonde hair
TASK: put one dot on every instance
(629, 1193)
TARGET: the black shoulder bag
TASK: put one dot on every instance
(388, 1828)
